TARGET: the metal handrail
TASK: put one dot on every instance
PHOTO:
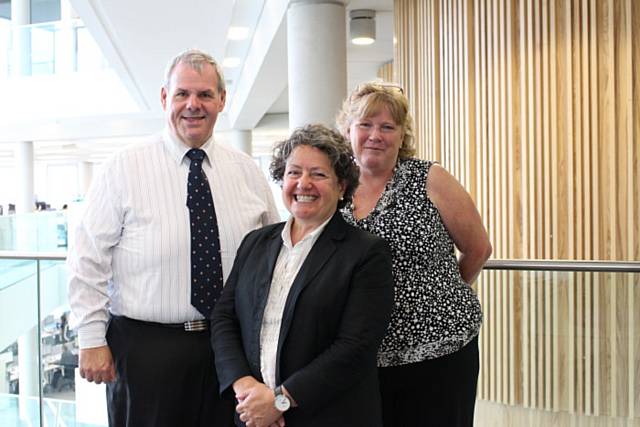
(41, 256)
(564, 265)
(492, 264)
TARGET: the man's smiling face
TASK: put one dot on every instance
(192, 103)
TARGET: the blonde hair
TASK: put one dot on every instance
(370, 98)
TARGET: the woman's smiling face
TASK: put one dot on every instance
(376, 141)
(310, 187)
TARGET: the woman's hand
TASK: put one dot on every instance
(256, 404)
(241, 385)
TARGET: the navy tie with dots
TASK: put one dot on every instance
(206, 264)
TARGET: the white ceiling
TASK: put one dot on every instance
(139, 37)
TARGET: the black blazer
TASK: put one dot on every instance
(335, 316)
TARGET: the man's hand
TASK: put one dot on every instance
(96, 365)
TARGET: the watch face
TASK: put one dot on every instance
(282, 402)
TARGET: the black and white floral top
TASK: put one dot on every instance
(435, 312)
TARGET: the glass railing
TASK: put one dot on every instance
(44, 231)
(560, 338)
(560, 342)
(50, 48)
(39, 381)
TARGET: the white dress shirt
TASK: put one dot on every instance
(289, 261)
(131, 253)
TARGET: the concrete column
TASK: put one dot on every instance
(317, 53)
(28, 369)
(20, 16)
(66, 11)
(24, 169)
(65, 47)
(85, 175)
(241, 140)
(5, 358)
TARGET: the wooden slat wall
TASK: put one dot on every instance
(534, 105)
(385, 72)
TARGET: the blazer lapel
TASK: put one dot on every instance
(322, 250)
(273, 244)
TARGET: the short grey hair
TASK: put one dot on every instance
(196, 59)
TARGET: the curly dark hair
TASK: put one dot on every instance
(328, 141)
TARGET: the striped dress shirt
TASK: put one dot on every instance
(131, 251)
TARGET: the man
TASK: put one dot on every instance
(141, 281)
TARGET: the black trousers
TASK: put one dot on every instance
(165, 377)
(434, 393)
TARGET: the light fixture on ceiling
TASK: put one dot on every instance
(362, 26)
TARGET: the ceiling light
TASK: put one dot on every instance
(238, 33)
(362, 26)
(231, 62)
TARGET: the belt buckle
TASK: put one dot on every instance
(196, 325)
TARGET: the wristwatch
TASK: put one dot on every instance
(282, 402)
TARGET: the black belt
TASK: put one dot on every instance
(189, 325)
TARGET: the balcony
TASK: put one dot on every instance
(52, 73)
(559, 344)
(47, 49)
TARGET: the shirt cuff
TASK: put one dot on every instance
(92, 335)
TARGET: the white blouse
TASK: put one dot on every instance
(287, 266)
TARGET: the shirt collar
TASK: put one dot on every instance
(178, 149)
(286, 232)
